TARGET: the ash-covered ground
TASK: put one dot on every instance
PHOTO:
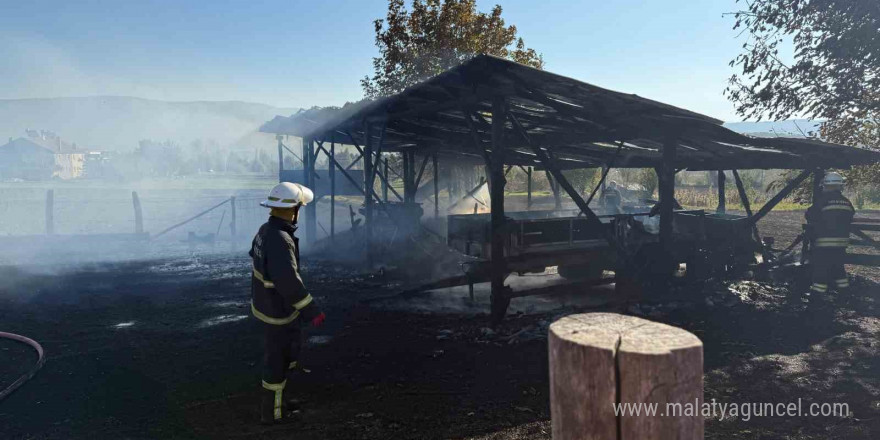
(166, 349)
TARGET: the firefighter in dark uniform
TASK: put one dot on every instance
(611, 198)
(278, 297)
(829, 221)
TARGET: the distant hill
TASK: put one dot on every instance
(787, 128)
(119, 122)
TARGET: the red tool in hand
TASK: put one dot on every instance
(318, 320)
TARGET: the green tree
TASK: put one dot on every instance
(435, 35)
(835, 67)
(832, 71)
(859, 129)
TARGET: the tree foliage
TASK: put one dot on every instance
(859, 128)
(835, 67)
(834, 72)
(435, 35)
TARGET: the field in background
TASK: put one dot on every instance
(95, 207)
(89, 207)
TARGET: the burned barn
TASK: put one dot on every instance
(502, 114)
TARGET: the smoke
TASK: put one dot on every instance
(456, 300)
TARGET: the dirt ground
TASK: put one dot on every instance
(165, 349)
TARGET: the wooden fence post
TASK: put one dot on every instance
(50, 212)
(232, 219)
(598, 360)
(138, 214)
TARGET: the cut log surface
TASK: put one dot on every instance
(598, 360)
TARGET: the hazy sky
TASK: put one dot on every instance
(297, 53)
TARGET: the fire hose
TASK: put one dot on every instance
(27, 376)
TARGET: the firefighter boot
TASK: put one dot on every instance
(272, 403)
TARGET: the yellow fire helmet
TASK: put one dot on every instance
(288, 195)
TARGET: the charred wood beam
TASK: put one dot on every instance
(560, 178)
(436, 185)
(418, 180)
(499, 299)
(291, 152)
(863, 259)
(667, 196)
(744, 198)
(783, 193)
(378, 153)
(381, 177)
(311, 209)
(368, 192)
(475, 136)
(554, 186)
(866, 239)
(352, 180)
(866, 227)
(470, 194)
(331, 173)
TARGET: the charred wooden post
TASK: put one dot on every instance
(528, 189)
(744, 199)
(500, 299)
(599, 360)
(605, 169)
(309, 156)
(436, 186)
(554, 186)
(410, 196)
(139, 214)
(385, 183)
(722, 195)
(782, 194)
(50, 212)
(331, 174)
(666, 182)
(418, 179)
(368, 192)
(406, 171)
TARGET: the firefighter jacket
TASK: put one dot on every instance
(829, 220)
(611, 197)
(278, 295)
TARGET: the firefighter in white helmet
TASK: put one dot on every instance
(829, 221)
(278, 296)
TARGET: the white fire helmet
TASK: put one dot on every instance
(832, 181)
(288, 195)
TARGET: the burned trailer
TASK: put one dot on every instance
(503, 114)
(535, 240)
(707, 243)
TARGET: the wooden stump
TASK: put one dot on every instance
(598, 360)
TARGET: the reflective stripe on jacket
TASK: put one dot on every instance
(278, 295)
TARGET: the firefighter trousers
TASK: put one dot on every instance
(282, 345)
(828, 270)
